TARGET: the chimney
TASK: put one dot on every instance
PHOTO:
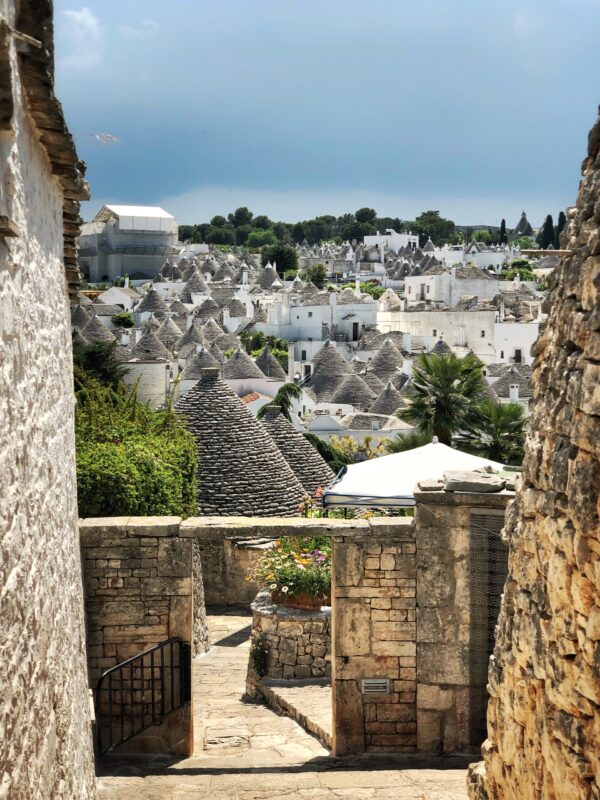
(513, 393)
(126, 282)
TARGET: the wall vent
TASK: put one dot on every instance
(375, 686)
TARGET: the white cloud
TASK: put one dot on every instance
(146, 28)
(84, 38)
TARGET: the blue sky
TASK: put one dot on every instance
(303, 107)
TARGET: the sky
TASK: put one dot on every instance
(296, 108)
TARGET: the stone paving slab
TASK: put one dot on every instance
(247, 752)
(308, 702)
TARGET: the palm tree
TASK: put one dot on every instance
(284, 397)
(447, 391)
(407, 441)
(499, 432)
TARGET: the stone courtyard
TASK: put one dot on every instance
(245, 751)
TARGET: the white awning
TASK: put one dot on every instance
(391, 480)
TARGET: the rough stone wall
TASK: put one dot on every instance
(374, 636)
(45, 735)
(298, 642)
(543, 714)
(451, 633)
(225, 562)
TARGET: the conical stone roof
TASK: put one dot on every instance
(236, 308)
(386, 361)
(373, 382)
(354, 391)
(207, 309)
(196, 284)
(329, 371)
(150, 348)
(311, 470)
(169, 334)
(240, 365)
(79, 317)
(96, 332)
(269, 365)
(177, 307)
(266, 277)
(216, 353)
(78, 338)
(241, 471)
(193, 368)
(152, 301)
(211, 330)
(441, 348)
(388, 402)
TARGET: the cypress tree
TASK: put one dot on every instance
(562, 221)
(547, 237)
(503, 236)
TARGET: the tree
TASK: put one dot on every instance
(407, 441)
(218, 221)
(284, 398)
(242, 233)
(218, 235)
(241, 216)
(499, 432)
(483, 236)
(503, 236)
(447, 390)
(261, 238)
(284, 255)
(123, 320)
(317, 274)
(431, 224)
(186, 232)
(545, 237)
(365, 215)
(525, 243)
(262, 222)
(562, 221)
(98, 362)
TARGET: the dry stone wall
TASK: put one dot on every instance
(544, 711)
(45, 721)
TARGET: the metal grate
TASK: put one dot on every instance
(141, 692)
(488, 568)
(375, 686)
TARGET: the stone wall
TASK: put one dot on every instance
(138, 592)
(225, 562)
(297, 642)
(45, 722)
(374, 636)
(461, 567)
(543, 714)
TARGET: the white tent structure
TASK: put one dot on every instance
(391, 480)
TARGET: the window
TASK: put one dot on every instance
(410, 289)
(483, 334)
(309, 314)
(501, 353)
(428, 288)
(518, 356)
(303, 356)
(374, 424)
(434, 332)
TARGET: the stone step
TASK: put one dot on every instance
(307, 701)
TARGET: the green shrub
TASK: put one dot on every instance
(123, 320)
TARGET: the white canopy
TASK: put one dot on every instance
(391, 480)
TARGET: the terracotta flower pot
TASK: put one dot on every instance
(302, 600)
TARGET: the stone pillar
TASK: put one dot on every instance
(543, 714)
(373, 637)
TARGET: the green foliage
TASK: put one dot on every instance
(284, 398)
(229, 352)
(261, 238)
(447, 390)
(545, 237)
(431, 224)
(369, 287)
(120, 280)
(280, 354)
(498, 433)
(257, 340)
(503, 235)
(241, 216)
(407, 441)
(317, 274)
(525, 243)
(123, 320)
(283, 255)
(483, 236)
(562, 221)
(520, 267)
(131, 460)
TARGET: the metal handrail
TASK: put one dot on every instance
(135, 702)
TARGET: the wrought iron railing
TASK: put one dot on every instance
(141, 692)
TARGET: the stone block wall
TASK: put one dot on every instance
(452, 620)
(544, 710)
(374, 636)
(138, 592)
(45, 721)
(297, 642)
(225, 562)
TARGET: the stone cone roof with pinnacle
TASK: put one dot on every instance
(169, 334)
(375, 385)
(211, 330)
(388, 402)
(241, 471)
(207, 309)
(329, 371)
(216, 353)
(152, 301)
(195, 365)
(266, 277)
(178, 308)
(354, 391)
(196, 284)
(192, 337)
(78, 338)
(441, 348)
(150, 348)
(311, 470)
(387, 361)
(269, 365)
(96, 332)
(240, 365)
(79, 317)
(236, 308)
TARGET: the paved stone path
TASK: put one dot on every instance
(247, 752)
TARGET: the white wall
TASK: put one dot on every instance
(154, 379)
(510, 336)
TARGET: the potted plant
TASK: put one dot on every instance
(297, 572)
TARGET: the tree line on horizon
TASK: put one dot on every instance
(242, 228)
